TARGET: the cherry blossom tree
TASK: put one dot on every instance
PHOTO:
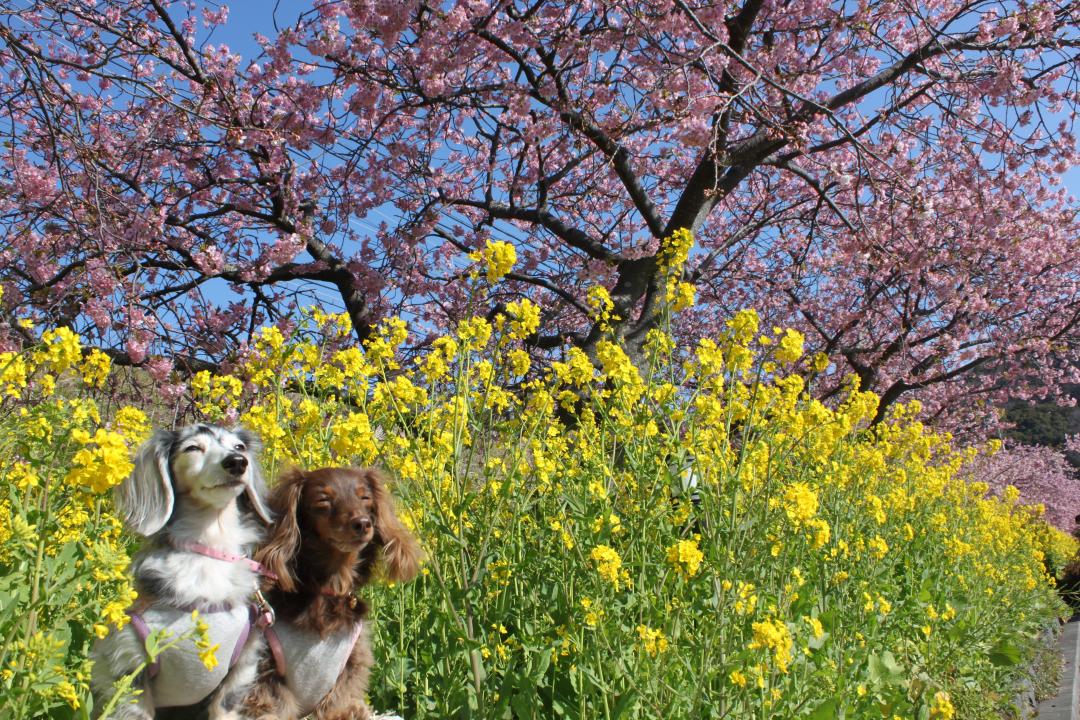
(1041, 474)
(883, 176)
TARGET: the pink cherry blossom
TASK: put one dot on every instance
(1041, 474)
(888, 179)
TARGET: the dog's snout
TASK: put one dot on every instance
(235, 464)
(361, 525)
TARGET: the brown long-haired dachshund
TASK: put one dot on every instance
(335, 528)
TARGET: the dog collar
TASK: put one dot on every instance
(211, 552)
(352, 599)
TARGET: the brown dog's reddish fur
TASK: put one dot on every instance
(335, 527)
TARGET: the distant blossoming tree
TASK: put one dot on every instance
(1041, 474)
(884, 176)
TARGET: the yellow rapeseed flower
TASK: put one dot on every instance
(95, 368)
(13, 373)
(132, 424)
(103, 462)
(577, 371)
(820, 532)
(743, 326)
(498, 258)
(800, 503)
(593, 615)
(685, 557)
(353, 440)
(203, 644)
(66, 692)
(878, 547)
(652, 639)
(525, 318)
(816, 628)
(474, 333)
(608, 565)
(63, 348)
(681, 296)
(790, 347)
(941, 707)
(773, 635)
(518, 361)
(675, 251)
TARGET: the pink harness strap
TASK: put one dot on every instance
(276, 650)
(242, 640)
(212, 552)
(143, 631)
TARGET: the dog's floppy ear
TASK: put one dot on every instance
(401, 553)
(256, 487)
(145, 498)
(277, 555)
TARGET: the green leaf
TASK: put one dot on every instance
(524, 705)
(1005, 653)
(539, 664)
(626, 704)
(825, 711)
(884, 670)
(892, 667)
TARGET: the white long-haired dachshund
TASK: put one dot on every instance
(197, 495)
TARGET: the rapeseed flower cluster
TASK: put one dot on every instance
(672, 256)
(498, 257)
(793, 561)
(652, 640)
(800, 503)
(685, 556)
(205, 648)
(63, 552)
(102, 462)
(773, 635)
(609, 565)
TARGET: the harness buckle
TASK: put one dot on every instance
(267, 617)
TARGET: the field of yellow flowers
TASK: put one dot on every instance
(698, 540)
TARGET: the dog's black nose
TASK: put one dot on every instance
(235, 464)
(361, 525)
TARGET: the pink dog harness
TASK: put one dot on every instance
(178, 675)
(309, 663)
